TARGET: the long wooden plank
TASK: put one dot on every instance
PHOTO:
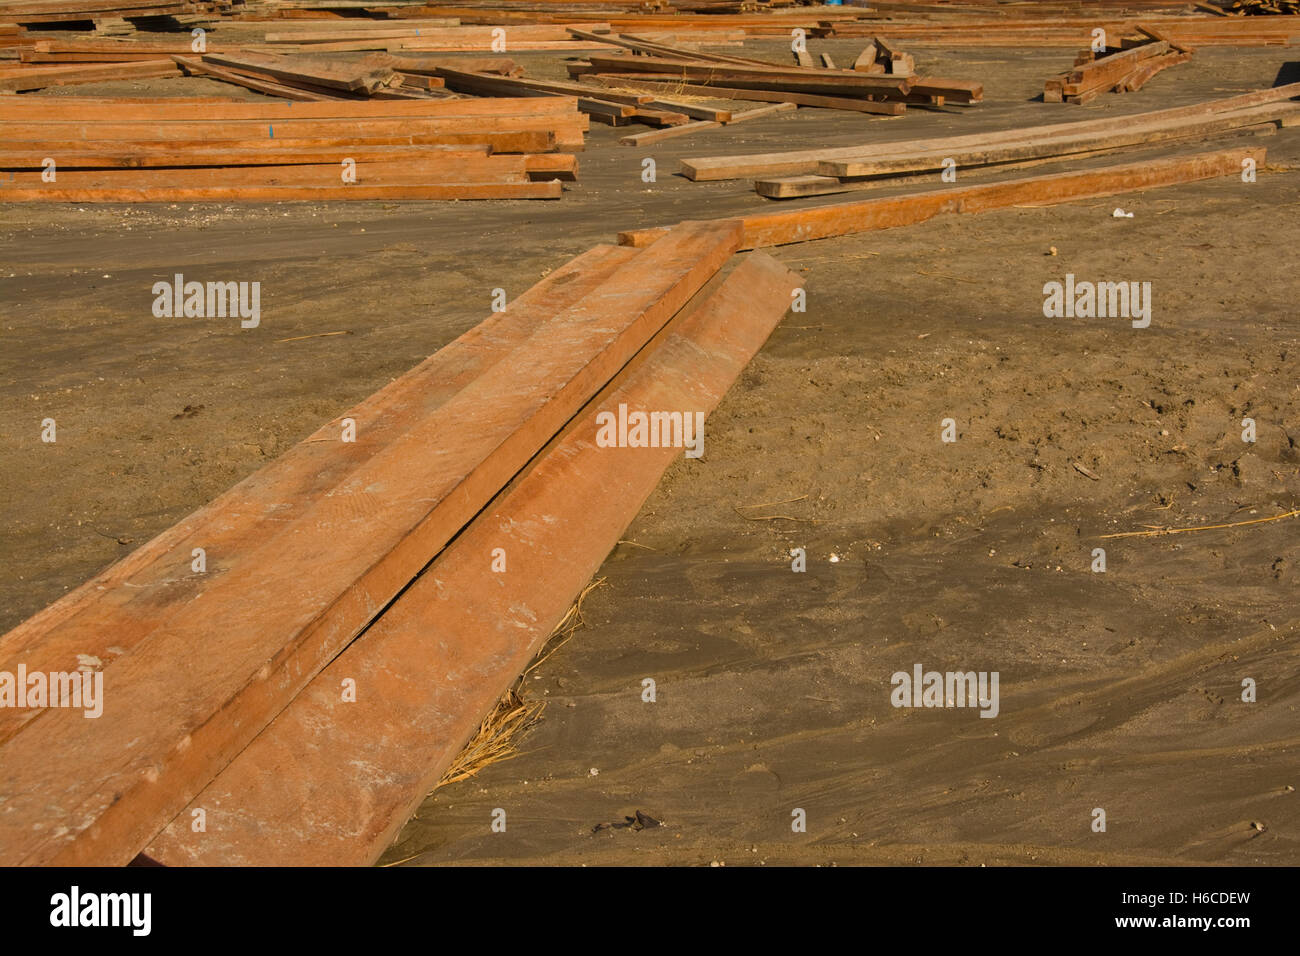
(72, 109)
(657, 135)
(656, 83)
(442, 655)
(286, 608)
(1136, 134)
(281, 151)
(38, 78)
(820, 222)
(477, 169)
(747, 76)
(795, 187)
(359, 129)
(283, 491)
(143, 194)
(794, 162)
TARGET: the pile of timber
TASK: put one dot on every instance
(664, 69)
(1123, 69)
(841, 219)
(1256, 7)
(176, 151)
(792, 174)
(372, 564)
(60, 11)
(1074, 30)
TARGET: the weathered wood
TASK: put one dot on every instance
(161, 193)
(757, 96)
(772, 229)
(1059, 145)
(447, 649)
(292, 603)
(802, 162)
(656, 135)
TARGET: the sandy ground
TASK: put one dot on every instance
(1119, 690)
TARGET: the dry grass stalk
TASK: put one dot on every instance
(501, 730)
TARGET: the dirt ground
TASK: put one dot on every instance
(1119, 690)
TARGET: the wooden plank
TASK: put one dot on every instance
(426, 171)
(39, 78)
(1109, 70)
(745, 76)
(443, 654)
(802, 162)
(761, 112)
(656, 135)
(758, 96)
(361, 129)
(235, 521)
(283, 151)
(794, 187)
(866, 59)
(363, 543)
(466, 190)
(771, 229)
(76, 156)
(1060, 145)
(315, 70)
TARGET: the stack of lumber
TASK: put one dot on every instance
(371, 564)
(17, 79)
(672, 117)
(793, 174)
(841, 219)
(1256, 7)
(1074, 30)
(449, 36)
(658, 67)
(1123, 69)
(163, 151)
(56, 11)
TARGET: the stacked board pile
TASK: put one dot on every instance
(67, 150)
(814, 172)
(64, 11)
(1123, 69)
(665, 69)
(316, 577)
(1022, 30)
(1257, 7)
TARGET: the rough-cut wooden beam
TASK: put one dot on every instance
(795, 162)
(38, 78)
(235, 521)
(656, 82)
(656, 135)
(1059, 145)
(432, 170)
(443, 654)
(289, 605)
(19, 154)
(794, 187)
(821, 222)
(142, 194)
